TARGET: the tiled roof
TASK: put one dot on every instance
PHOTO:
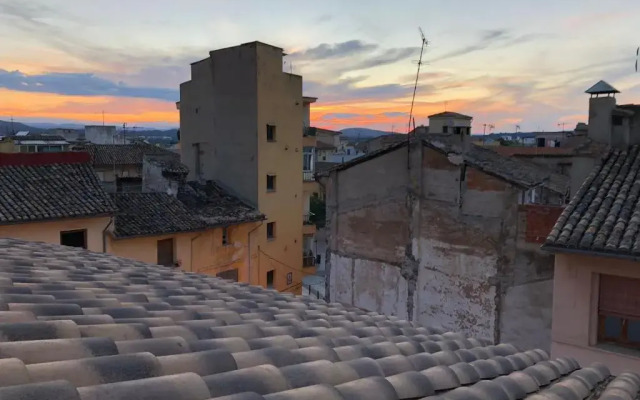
(529, 151)
(604, 215)
(50, 191)
(77, 325)
(141, 214)
(601, 87)
(124, 154)
(170, 165)
(519, 172)
(215, 205)
(449, 114)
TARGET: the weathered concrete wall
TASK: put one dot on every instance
(526, 315)
(102, 134)
(371, 285)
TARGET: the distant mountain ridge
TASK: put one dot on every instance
(362, 133)
(8, 127)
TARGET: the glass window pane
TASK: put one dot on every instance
(633, 331)
(612, 327)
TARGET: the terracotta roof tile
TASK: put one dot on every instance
(178, 335)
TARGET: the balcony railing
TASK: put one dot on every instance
(308, 260)
(307, 176)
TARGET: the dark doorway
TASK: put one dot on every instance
(270, 275)
(74, 238)
(165, 252)
(230, 274)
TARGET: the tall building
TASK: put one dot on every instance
(241, 125)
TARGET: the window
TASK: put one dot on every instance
(271, 133)
(226, 240)
(271, 230)
(230, 274)
(271, 183)
(270, 278)
(289, 278)
(619, 311)
(165, 252)
(74, 238)
(616, 120)
(348, 152)
(307, 159)
(445, 129)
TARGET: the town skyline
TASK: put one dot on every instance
(70, 61)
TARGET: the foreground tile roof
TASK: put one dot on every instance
(604, 215)
(143, 214)
(216, 206)
(51, 191)
(125, 154)
(76, 325)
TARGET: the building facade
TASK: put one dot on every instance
(440, 232)
(596, 298)
(241, 125)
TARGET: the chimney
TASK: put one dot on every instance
(608, 123)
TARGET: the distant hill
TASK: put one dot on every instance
(7, 126)
(46, 125)
(362, 133)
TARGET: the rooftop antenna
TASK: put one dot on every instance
(13, 131)
(424, 44)
(637, 56)
(102, 117)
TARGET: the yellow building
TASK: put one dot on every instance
(241, 125)
(57, 198)
(54, 198)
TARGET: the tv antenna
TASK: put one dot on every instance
(424, 44)
(637, 57)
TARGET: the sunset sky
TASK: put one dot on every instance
(504, 62)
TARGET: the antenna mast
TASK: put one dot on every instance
(424, 44)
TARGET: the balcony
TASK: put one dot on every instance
(307, 176)
(308, 260)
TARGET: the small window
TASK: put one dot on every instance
(348, 152)
(271, 230)
(165, 252)
(289, 278)
(74, 238)
(270, 278)
(230, 274)
(197, 109)
(271, 133)
(616, 120)
(445, 129)
(225, 236)
(271, 183)
(619, 311)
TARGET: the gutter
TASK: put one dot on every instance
(104, 235)
(592, 253)
(249, 244)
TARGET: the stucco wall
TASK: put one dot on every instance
(49, 232)
(575, 302)
(201, 252)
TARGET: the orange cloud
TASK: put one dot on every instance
(86, 108)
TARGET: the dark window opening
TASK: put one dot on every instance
(445, 129)
(165, 252)
(348, 152)
(271, 230)
(616, 120)
(541, 142)
(289, 278)
(619, 311)
(197, 109)
(230, 274)
(271, 133)
(270, 277)
(271, 183)
(225, 236)
(74, 238)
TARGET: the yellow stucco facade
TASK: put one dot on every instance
(49, 231)
(202, 252)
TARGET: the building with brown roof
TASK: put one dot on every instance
(78, 325)
(53, 197)
(442, 231)
(596, 301)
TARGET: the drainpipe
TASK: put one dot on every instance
(193, 239)
(249, 252)
(104, 235)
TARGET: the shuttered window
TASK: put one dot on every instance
(619, 310)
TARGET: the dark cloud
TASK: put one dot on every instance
(335, 50)
(345, 90)
(496, 38)
(387, 57)
(80, 85)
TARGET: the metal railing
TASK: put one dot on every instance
(306, 219)
(307, 176)
(308, 260)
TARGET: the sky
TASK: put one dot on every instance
(504, 62)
